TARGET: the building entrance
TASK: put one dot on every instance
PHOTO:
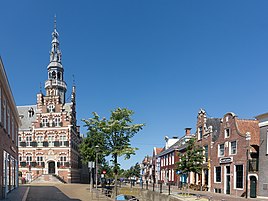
(51, 167)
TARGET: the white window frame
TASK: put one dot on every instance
(51, 108)
(50, 140)
(39, 140)
(8, 120)
(28, 140)
(45, 122)
(231, 148)
(219, 150)
(62, 139)
(63, 160)
(57, 121)
(39, 160)
(13, 129)
(28, 159)
(172, 159)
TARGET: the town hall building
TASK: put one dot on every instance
(49, 136)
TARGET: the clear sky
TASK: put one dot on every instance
(163, 59)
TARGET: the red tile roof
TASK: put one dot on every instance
(158, 150)
(251, 126)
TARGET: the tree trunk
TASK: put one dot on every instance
(115, 174)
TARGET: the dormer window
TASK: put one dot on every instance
(30, 112)
(227, 132)
(51, 108)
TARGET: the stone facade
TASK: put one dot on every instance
(9, 124)
(49, 136)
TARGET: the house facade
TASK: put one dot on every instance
(169, 156)
(49, 136)
(9, 124)
(207, 132)
(236, 145)
(263, 157)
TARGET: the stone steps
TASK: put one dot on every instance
(46, 178)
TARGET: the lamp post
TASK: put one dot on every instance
(248, 137)
(97, 147)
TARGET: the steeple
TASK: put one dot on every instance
(55, 85)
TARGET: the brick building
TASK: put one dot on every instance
(9, 123)
(207, 133)
(49, 136)
(169, 156)
(263, 157)
(229, 172)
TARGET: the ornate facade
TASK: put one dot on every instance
(49, 136)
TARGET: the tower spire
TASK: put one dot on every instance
(55, 85)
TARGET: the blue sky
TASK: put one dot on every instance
(163, 59)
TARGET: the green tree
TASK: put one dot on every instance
(114, 134)
(191, 160)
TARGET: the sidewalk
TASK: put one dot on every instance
(18, 194)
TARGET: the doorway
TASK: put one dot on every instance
(51, 167)
(228, 179)
(253, 187)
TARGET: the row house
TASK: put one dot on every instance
(146, 169)
(9, 124)
(169, 156)
(231, 149)
(156, 164)
(263, 157)
(49, 137)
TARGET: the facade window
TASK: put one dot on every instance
(50, 141)
(62, 139)
(20, 158)
(233, 147)
(13, 129)
(239, 176)
(57, 121)
(51, 108)
(19, 138)
(39, 140)
(8, 121)
(0, 104)
(172, 158)
(218, 174)
(206, 153)
(200, 132)
(28, 140)
(227, 132)
(221, 150)
(39, 160)
(28, 160)
(5, 113)
(63, 160)
(45, 122)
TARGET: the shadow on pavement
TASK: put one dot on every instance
(44, 193)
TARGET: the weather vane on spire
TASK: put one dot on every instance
(55, 22)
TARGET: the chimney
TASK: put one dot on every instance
(188, 131)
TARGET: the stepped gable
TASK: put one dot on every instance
(252, 126)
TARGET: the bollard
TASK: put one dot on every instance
(161, 188)
(147, 185)
(142, 184)
(153, 186)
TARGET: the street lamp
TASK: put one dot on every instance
(97, 148)
(248, 137)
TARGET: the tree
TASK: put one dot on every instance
(191, 160)
(114, 134)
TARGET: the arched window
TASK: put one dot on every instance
(53, 75)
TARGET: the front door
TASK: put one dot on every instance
(253, 187)
(228, 178)
(51, 167)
